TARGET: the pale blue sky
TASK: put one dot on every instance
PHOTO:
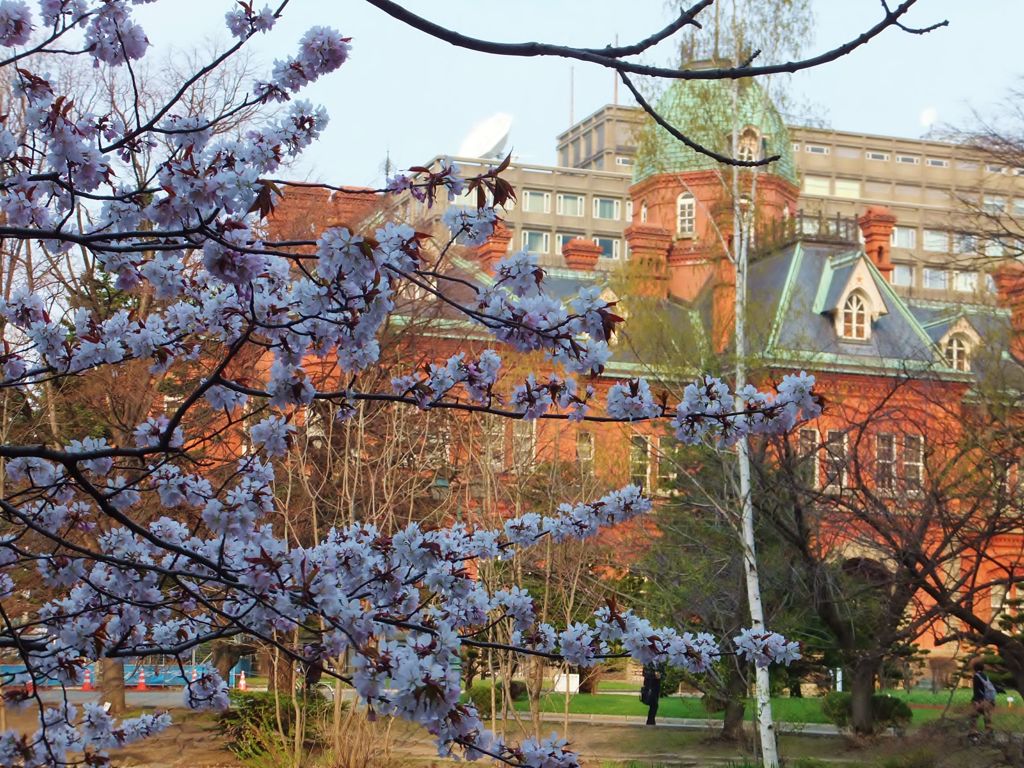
(405, 93)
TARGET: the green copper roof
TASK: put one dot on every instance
(703, 110)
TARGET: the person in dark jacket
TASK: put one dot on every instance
(983, 698)
(651, 691)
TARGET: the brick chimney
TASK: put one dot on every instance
(876, 224)
(495, 248)
(1009, 280)
(649, 246)
(581, 254)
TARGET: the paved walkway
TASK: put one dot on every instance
(808, 729)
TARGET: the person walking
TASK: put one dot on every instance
(651, 691)
(983, 699)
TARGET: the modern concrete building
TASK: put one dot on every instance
(938, 192)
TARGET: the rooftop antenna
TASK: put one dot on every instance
(572, 96)
(615, 78)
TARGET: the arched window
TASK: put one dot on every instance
(686, 215)
(643, 212)
(749, 147)
(958, 352)
(855, 317)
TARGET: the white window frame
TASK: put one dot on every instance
(616, 247)
(856, 308)
(616, 207)
(908, 159)
(836, 438)
(935, 240)
(634, 442)
(965, 243)
(885, 461)
(901, 269)
(903, 237)
(524, 443)
(686, 215)
(529, 194)
(872, 154)
(808, 447)
(585, 450)
(965, 282)
(668, 472)
(546, 239)
(912, 472)
(620, 160)
(937, 162)
(994, 204)
(817, 149)
(561, 200)
(928, 272)
(957, 351)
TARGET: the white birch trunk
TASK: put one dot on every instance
(741, 243)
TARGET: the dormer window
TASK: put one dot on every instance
(854, 317)
(958, 352)
(686, 215)
(749, 147)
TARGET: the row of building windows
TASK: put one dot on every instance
(903, 158)
(539, 242)
(568, 204)
(937, 279)
(899, 460)
(941, 241)
(851, 189)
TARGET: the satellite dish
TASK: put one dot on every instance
(487, 138)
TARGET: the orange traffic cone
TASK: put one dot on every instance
(195, 674)
(241, 682)
(30, 687)
(87, 682)
(141, 686)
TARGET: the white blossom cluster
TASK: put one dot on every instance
(365, 586)
(192, 241)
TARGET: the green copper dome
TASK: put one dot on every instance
(703, 110)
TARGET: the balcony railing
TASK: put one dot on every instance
(808, 226)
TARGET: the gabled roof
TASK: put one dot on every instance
(816, 278)
(793, 295)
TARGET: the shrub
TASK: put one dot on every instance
(886, 711)
(251, 724)
(480, 695)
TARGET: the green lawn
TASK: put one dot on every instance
(926, 707)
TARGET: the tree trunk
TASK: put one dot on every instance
(112, 685)
(732, 721)
(589, 678)
(741, 239)
(735, 706)
(862, 688)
